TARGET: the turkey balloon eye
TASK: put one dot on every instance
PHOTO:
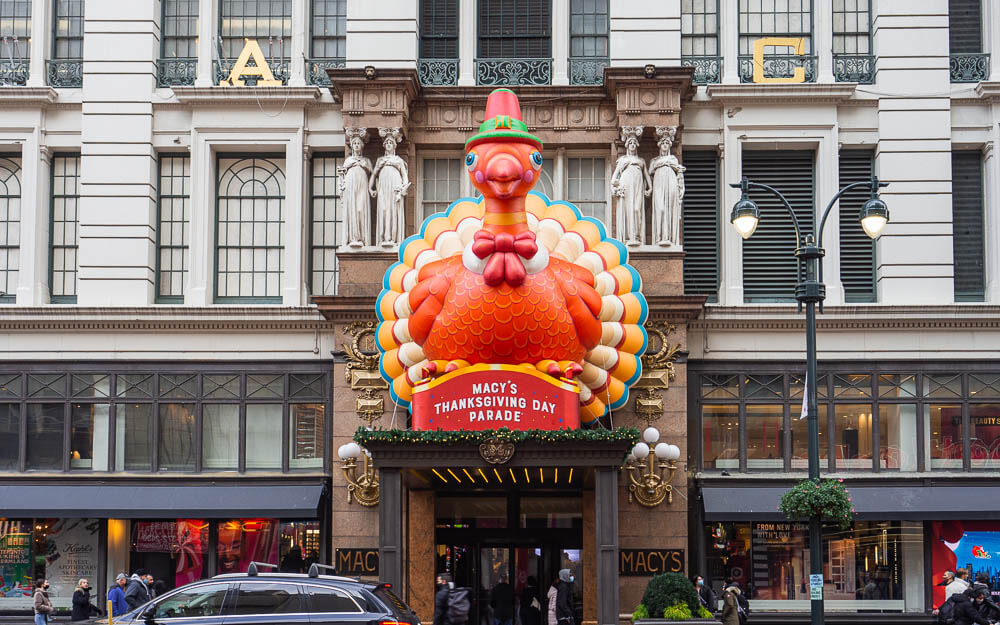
(470, 160)
(536, 160)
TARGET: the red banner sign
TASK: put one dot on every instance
(489, 397)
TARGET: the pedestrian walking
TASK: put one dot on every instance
(531, 608)
(706, 596)
(965, 613)
(552, 595)
(117, 596)
(733, 610)
(985, 606)
(41, 605)
(137, 590)
(564, 598)
(82, 608)
(502, 602)
(443, 584)
(956, 583)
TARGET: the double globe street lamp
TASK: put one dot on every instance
(810, 290)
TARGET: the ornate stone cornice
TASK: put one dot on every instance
(28, 96)
(790, 93)
(374, 102)
(161, 318)
(988, 90)
(225, 96)
(850, 318)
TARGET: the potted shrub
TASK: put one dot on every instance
(671, 596)
(827, 498)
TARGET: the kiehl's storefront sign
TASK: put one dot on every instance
(357, 561)
(649, 562)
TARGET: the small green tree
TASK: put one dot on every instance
(666, 589)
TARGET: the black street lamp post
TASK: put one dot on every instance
(810, 290)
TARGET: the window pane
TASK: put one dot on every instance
(175, 551)
(328, 229)
(330, 600)
(259, 598)
(135, 385)
(764, 437)
(133, 437)
(220, 436)
(463, 512)
(853, 436)
(173, 197)
(242, 541)
(10, 436)
(45, 437)
(88, 442)
(897, 426)
(176, 436)
(195, 602)
(263, 436)
(64, 220)
(720, 437)
(585, 186)
(984, 436)
(943, 425)
(306, 427)
(800, 438)
(91, 385)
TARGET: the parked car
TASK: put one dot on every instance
(254, 598)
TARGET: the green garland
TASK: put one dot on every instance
(827, 499)
(365, 436)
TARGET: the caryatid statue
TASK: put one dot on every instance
(389, 184)
(354, 175)
(630, 183)
(668, 190)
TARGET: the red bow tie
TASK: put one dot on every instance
(507, 251)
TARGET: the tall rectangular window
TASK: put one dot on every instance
(172, 231)
(586, 178)
(775, 18)
(268, 22)
(15, 41)
(857, 251)
(965, 26)
(852, 41)
(249, 240)
(329, 29)
(700, 223)
(700, 39)
(588, 41)
(514, 29)
(442, 183)
(10, 225)
(63, 235)
(180, 29)
(439, 29)
(769, 263)
(67, 41)
(326, 222)
(967, 206)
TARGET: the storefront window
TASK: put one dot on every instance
(764, 437)
(177, 437)
(15, 564)
(134, 440)
(800, 439)
(45, 437)
(853, 436)
(173, 551)
(943, 428)
(551, 512)
(984, 436)
(305, 442)
(862, 566)
(242, 541)
(263, 436)
(89, 437)
(721, 437)
(470, 512)
(65, 550)
(897, 425)
(299, 546)
(10, 436)
(220, 437)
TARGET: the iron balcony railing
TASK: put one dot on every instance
(707, 69)
(970, 67)
(779, 66)
(437, 71)
(280, 69)
(501, 72)
(585, 70)
(316, 70)
(858, 68)
(64, 72)
(13, 73)
(176, 72)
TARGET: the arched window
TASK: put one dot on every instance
(249, 240)
(10, 225)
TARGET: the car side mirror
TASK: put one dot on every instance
(148, 613)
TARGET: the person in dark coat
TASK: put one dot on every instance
(443, 583)
(984, 604)
(502, 602)
(965, 612)
(731, 611)
(137, 592)
(531, 607)
(82, 608)
(564, 598)
(706, 596)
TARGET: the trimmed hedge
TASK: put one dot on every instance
(665, 590)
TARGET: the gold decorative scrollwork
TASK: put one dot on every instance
(362, 371)
(657, 370)
(496, 451)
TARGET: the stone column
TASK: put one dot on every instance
(606, 541)
(292, 281)
(420, 554)
(32, 275)
(729, 34)
(560, 42)
(206, 44)
(991, 236)
(299, 43)
(390, 527)
(41, 28)
(201, 250)
(467, 42)
(822, 44)
(991, 38)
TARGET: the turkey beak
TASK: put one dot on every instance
(503, 173)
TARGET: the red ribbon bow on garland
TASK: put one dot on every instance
(506, 250)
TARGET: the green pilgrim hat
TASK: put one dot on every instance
(503, 121)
